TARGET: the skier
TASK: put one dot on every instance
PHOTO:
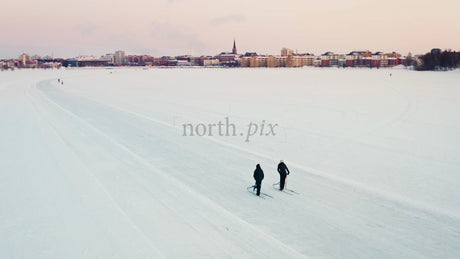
(282, 169)
(258, 176)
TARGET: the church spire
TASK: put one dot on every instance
(234, 47)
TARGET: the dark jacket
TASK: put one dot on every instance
(282, 168)
(258, 174)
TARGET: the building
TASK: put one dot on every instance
(300, 60)
(24, 58)
(50, 65)
(260, 61)
(293, 61)
(10, 64)
(110, 58)
(376, 60)
(207, 61)
(308, 59)
(230, 59)
(87, 61)
(286, 52)
(280, 61)
(139, 60)
(226, 57)
(184, 63)
(271, 62)
(210, 62)
(341, 60)
(86, 58)
(329, 59)
(234, 48)
(349, 60)
(35, 57)
(119, 58)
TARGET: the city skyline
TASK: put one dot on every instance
(202, 27)
(288, 58)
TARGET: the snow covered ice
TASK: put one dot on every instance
(99, 168)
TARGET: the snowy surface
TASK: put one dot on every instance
(99, 168)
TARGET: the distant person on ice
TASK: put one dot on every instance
(283, 171)
(258, 176)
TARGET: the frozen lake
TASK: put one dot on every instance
(99, 167)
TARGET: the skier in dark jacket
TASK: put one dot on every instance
(258, 176)
(283, 171)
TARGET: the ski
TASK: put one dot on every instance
(283, 191)
(250, 189)
(266, 195)
(289, 190)
(276, 186)
(262, 195)
(253, 193)
(288, 193)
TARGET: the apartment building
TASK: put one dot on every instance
(286, 52)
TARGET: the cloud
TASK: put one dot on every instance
(128, 42)
(87, 28)
(227, 19)
(175, 36)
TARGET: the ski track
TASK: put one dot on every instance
(389, 225)
(386, 195)
(175, 182)
(38, 110)
(101, 186)
(399, 202)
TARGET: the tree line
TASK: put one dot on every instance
(439, 60)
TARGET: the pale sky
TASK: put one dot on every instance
(68, 28)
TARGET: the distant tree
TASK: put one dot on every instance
(437, 60)
(409, 60)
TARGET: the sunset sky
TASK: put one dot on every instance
(172, 27)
